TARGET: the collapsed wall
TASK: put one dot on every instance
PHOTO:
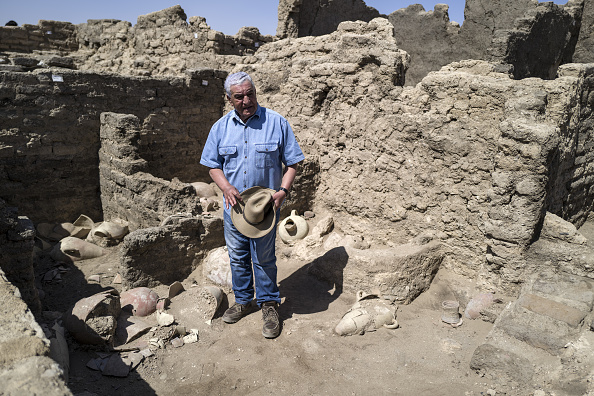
(470, 156)
(50, 133)
(533, 37)
(299, 18)
(171, 233)
(45, 36)
(161, 43)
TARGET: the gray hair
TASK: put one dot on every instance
(236, 79)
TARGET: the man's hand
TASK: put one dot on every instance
(278, 198)
(231, 196)
(229, 192)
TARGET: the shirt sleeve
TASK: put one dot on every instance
(292, 153)
(210, 154)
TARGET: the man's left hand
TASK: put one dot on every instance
(278, 198)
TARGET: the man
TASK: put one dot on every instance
(247, 148)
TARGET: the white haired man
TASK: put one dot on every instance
(246, 149)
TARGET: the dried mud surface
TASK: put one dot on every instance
(423, 356)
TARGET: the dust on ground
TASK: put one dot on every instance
(424, 356)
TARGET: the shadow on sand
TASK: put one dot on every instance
(305, 293)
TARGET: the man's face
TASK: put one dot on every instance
(243, 99)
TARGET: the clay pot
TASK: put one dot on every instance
(93, 320)
(369, 313)
(107, 234)
(292, 228)
(204, 190)
(140, 301)
(215, 296)
(73, 249)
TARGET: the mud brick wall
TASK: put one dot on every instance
(572, 197)
(16, 254)
(162, 43)
(49, 136)
(128, 192)
(469, 156)
(45, 36)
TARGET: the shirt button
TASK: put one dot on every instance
(246, 141)
(244, 172)
(245, 156)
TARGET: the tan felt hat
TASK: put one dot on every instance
(256, 215)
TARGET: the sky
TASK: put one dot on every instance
(226, 16)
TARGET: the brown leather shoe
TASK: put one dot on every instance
(271, 328)
(236, 312)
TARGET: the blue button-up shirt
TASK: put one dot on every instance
(252, 153)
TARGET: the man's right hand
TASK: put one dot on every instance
(231, 196)
(230, 193)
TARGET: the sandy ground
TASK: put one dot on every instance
(424, 356)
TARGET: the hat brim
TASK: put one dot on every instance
(253, 230)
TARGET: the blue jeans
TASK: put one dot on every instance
(243, 252)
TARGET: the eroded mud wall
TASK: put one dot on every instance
(45, 36)
(467, 156)
(300, 18)
(584, 49)
(49, 136)
(533, 37)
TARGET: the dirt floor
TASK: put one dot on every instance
(424, 356)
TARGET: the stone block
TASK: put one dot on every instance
(573, 317)
(400, 274)
(170, 252)
(502, 365)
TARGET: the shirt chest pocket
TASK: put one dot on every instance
(266, 155)
(229, 154)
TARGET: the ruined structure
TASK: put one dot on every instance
(463, 170)
(504, 31)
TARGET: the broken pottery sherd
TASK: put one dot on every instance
(477, 304)
(369, 313)
(292, 228)
(82, 226)
(133, 359)
(192, 337)
(94, 278)
(72, 249)
(162, 303)
(92, 320)
(140, 301)
(116, 367)
(165, 319)
(129, 328)
(175, 288)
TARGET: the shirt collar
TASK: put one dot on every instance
(258, 114)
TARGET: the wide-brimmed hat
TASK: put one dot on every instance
(256, 215)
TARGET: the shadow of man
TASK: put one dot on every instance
(315, 285)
